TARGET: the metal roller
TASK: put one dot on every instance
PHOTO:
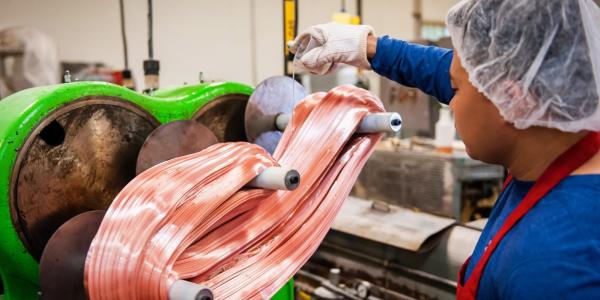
(187, 290)
(63, 261)
(372, 123)
(380, 122)
(270, 107)
(62, 276)
(224, 116)
(174, 139)
(77, 159)
(276, 178)
(273, 97)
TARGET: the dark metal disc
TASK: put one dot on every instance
(172, 140)
(224, 116)
(77, 159)
(63, 260)
(274, 96)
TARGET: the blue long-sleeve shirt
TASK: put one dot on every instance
(423, 67)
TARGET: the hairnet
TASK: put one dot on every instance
(538, 61)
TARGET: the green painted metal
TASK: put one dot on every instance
(286, 292)
(21, 112)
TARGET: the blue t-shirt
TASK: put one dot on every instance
(553, 252)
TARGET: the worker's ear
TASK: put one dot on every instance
(510, 93)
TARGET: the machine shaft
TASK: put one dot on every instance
(187, 290)
(276, 178)
(372, 123)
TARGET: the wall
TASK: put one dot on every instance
(215, 37)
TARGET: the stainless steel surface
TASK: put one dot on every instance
(398, 227)
(477, 224)
(330, 286)
(77, 159)
(172, 140)
(419, 110)
(446, 185)
(63, 261)
(224, 116)
(274, 96)
(396, 273)
(334, 276)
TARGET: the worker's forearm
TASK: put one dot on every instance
(426, 68)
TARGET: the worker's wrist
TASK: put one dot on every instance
(371, 46)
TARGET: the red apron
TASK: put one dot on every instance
(561, 168)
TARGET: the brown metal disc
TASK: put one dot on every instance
(63, 260)
(77, 159)
(172, 140)
(224, 116)
(274, 96)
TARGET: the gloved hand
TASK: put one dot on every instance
(324, 46)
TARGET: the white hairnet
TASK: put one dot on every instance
(538, 61)
(39, 63)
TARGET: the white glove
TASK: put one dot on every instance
(320, 48)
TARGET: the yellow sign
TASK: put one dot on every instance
(289, 20)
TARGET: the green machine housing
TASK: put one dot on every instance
(70, 148)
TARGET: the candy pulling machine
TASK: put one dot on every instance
(67, 150)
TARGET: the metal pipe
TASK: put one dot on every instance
(276, 178)
(418, 19)
(150, 33)
(124, 35)
(187, 290)
(372, 123)
(359, 11)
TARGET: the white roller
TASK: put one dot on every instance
(276, 178)
(186, 290)
(380, 122)
(372, 123)
(282, 121)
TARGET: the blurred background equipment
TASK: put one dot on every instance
(414, 216)
(28, 58)
(126, 75)
(91, 71)
(151, 65)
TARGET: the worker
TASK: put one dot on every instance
(523, 82)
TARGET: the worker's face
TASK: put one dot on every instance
(486, 135)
